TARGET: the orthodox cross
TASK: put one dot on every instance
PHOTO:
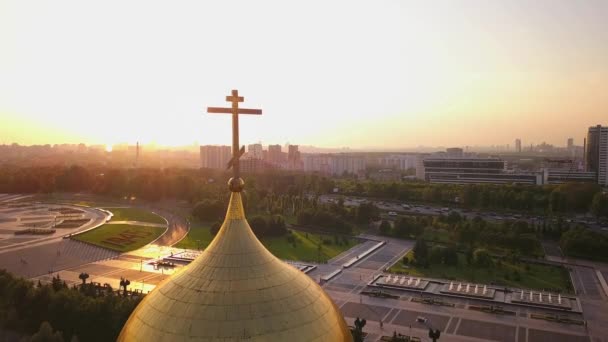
(235, 111)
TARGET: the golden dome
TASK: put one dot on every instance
(236, 290)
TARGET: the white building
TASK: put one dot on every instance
(333, 164)
(398, 161)
(341, 164)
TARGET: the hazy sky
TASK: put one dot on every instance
(326, 73)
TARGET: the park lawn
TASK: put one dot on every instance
(538, 277)
(135, 214)
(121, 237)
(199, 236)
(306, 247)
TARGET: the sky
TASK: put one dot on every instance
(363, 74)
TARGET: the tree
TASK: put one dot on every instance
(385, 227)
(367, 212)
(83, 276)
(46, 334)
(436, 255)
(421, 251)
(258, 225)
(469, 255)
(208, 210)
(453, 218)
(276, 226)
(450, 256)
(124, 283)
(599, 205)
(482, 258)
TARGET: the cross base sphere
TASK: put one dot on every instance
(236, 184)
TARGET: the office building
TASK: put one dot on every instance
(474, 171)
(596, 153)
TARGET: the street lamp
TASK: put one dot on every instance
(434, 334)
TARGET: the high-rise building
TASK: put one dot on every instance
(518, 145)
(274, 154)
(293, 157)
(596, 153)
(570, 143)
(215, 157)
(255, 151)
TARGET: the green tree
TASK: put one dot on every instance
(367, 212)
(46, 334)
(450, 256)
(258, 225)
(421, 251)
(599, 205)
(436, 255)
(385, 227)
(209, 210)
(482, 258)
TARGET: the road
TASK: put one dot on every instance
(434, 210)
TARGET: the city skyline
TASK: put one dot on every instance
(389, 76)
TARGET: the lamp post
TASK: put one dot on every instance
(434, 334)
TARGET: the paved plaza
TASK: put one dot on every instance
(458, 317)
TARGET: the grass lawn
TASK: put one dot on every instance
(135, 214)
(198, 231)
(306, 247)
(121, 237)
(537, 277)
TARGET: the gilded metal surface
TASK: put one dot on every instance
(236, 290)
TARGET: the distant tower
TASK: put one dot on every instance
(518, 145)
(137, 155)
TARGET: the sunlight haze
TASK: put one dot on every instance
(363, 74)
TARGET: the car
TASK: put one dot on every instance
(392, 213)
